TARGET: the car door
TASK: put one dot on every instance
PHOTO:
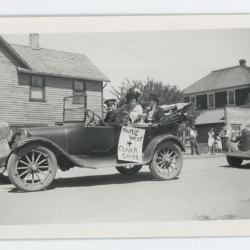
(102, 139)
(77, 139)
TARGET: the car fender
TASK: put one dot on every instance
(149, 151)
(43, 142)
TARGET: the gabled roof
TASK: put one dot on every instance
(221, 79)
(58, 63)
(12, 54)
(210, 117)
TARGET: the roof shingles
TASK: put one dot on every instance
(221, 79)
(61, 63)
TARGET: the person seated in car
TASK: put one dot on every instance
(113, 116)
(135, 112)
(154, 112)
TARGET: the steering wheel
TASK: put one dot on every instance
(92, 119)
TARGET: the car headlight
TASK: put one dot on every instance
(10, 135)
(5, 131)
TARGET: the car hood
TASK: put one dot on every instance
(56, 134)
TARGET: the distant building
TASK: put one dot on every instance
(34, 81)
(222, 97)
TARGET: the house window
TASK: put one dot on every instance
(37, 88)
(235, 129)
(241, 96)
(201, 101)
(220, 99)
(211, 101)
(186, 99)
(231, 99)
(78, 92)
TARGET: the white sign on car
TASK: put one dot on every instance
(130, 144)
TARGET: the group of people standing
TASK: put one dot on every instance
(215, 140)
(132, 112)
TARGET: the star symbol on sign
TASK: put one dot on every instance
(129, 143)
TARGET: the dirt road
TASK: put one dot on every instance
(206, 189)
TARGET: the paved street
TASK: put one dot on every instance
(206, 189)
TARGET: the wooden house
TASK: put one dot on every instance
(34, 82)
(222, 97)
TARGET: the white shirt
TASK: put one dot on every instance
(135, 113)
(193, 133)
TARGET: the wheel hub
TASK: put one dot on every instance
(34, 167)
(166, 159)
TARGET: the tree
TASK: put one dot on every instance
(166, 93)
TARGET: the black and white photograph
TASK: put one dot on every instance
(124, 127)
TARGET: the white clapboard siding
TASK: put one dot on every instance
(15, 106)
(237, 115)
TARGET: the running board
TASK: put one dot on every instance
(95, 162)
(240, 154)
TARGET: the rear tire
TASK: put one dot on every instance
(127, 170)
(32, 168)
(167, 161)
(234, 161)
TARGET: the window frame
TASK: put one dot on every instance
(228, 99)
(208, 100)
(236, 131)
(193, 97)
(32, 99)
(83, 92)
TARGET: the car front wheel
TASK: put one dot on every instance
(32, 168)
(167, 161)
(234, 161)
(129, 170)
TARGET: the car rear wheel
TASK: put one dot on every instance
(32, 168)
(3, 174)
(129, 169)
(234, 161)
(167, 161)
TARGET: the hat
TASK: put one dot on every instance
(133, 94)
(110, 101)
(153, 97)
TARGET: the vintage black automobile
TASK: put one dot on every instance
(239, 148)
(37, 153)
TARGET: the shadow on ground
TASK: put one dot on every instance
(243, 166)
(96, 180)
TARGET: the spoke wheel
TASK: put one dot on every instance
(33, 168)
(167, 161)
(4, 174)
(129, 169)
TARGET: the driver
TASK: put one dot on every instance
(113, 116)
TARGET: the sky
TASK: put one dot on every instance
(174, 57)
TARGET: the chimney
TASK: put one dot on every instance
(242, 62)
(34, 40)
